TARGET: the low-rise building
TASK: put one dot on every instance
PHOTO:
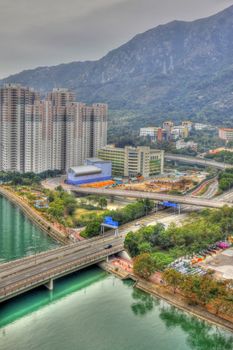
(225, 134)
(168, 132)
(179, 131)
(200, 126)
(131, 161)
(149, 131)
(181, 144)
(187, 124)
(94, 170)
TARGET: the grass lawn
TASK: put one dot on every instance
(80, 212)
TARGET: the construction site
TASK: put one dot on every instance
(170, 183)
(179, 183)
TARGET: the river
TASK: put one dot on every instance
(91, 310)
(18, 236)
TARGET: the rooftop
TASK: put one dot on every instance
(84, 170)
(97, 160)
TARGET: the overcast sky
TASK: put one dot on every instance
(48, 32)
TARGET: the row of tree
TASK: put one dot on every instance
(202, 290)
(223, 157)
(26, 179)
(132, 211)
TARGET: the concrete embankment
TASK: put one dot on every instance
(180, 303)
(34, 216)
(175, 300)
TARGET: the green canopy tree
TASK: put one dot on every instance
(144, 266)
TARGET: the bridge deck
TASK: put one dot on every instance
(199, 202)
(198, 161)
(19, 276)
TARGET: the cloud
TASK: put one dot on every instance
(49, 32)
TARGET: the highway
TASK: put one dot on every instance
(22, 275)
(198, 161)
(199, 202)
(211, 191)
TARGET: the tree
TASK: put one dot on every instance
(56, 209)
(162, 260)
(173, 278)
(59, 189)
(145, 247)
(70, 204)
(131, 244)
(92, 229)
(102, 201)
(144, 266)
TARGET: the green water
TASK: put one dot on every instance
(91, 310)
(18, 236)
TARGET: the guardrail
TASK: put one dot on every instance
(198, 161)
(62, 270)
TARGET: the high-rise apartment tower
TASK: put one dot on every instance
(56, 133)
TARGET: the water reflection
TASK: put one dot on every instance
(200, 334)
(40, 297)
(144, 302)
(18, 236)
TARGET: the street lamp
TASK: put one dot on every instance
(35, 246)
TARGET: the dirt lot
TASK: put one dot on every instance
(222, 264)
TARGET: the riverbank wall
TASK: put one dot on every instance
(173, 299)
(34, 216)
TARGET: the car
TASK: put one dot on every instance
(108, 246)
(137, 223)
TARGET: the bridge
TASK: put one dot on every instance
(199, 202)
(197, 161)
(19, 276)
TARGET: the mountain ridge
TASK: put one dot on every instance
(177, 70)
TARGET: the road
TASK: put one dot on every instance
(199, 202)
(198, 161)
(18, 276)
(211, 191)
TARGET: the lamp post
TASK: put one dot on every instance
(35, 246)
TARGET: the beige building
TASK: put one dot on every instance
(225, 134)
(56, 133)
(131, 161)
(33, 157)
(16, 110)
(149, 131)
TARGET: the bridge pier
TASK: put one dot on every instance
(49, 284)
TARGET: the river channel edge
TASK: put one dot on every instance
(141, 284)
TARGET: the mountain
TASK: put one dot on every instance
(178, 70)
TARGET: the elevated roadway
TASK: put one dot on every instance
(197, 161)
(199, 202)
(19, 276)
